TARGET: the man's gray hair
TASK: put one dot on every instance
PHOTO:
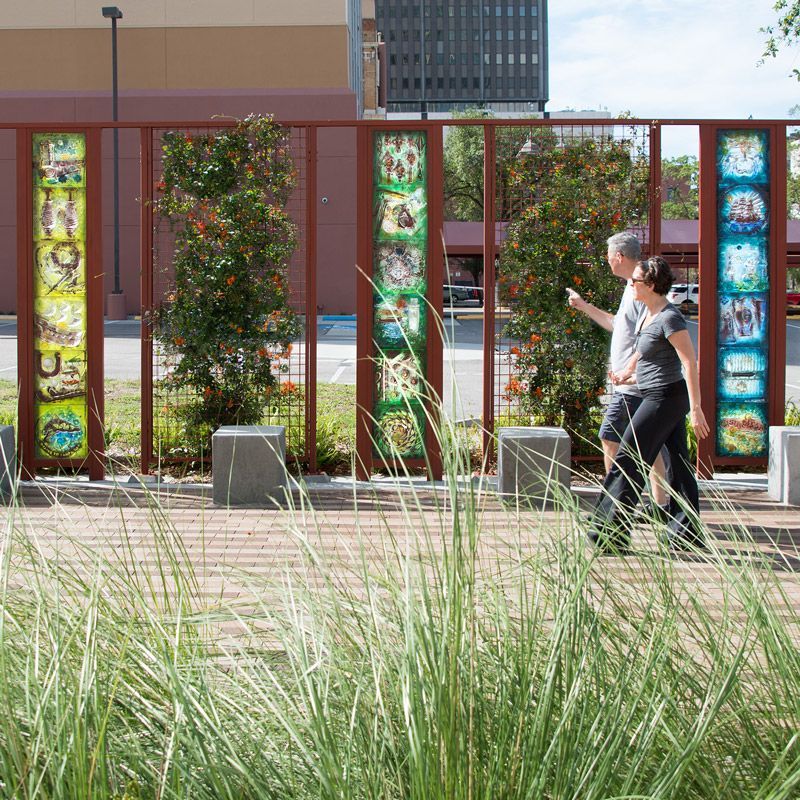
(627, 244)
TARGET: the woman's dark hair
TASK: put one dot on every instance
(657, 274)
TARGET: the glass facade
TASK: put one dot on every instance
(445, 54)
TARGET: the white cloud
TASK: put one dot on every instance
(668, 60)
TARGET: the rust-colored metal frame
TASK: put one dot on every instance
(365, 349)
(146, 272)
(95, 461)
(707, 255)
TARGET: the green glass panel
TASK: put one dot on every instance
(399, 430)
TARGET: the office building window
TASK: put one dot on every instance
(498, 58)
(510, 11)
(523, 58)
(498, 34)
(510, 35)
(510, 58)
(534, 11)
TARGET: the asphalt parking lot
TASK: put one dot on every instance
(336, 352)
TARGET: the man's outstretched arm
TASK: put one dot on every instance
(602, 318)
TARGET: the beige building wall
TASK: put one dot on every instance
(173, 13)
(55, 45)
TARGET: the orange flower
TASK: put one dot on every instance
(577, 280)
(179, 340)
(568, 330)
(230, 280)
(262, 351)
(516, 245)
(538, 391)
(535, 338)
(240, 329)
(569, 363)
(514, 351)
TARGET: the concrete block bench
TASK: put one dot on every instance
(533, 462)
(248, 465)
(784, 464)
(8, 462)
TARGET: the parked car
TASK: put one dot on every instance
(793, 298)
(454, 294)
(684, 295)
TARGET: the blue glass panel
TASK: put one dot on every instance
(743, 265)
(742, 157)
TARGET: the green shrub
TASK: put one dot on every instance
(574, 194)
(228, 322)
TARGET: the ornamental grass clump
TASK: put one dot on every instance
(227, 324)
(574, 195)
(444, 649)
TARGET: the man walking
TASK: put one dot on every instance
(624, 253)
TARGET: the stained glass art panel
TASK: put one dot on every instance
(742, 429)
(399, 377)
(399, 268)
(61, 431)
(743, 282)
(399, 271)
(399, 430)
(743, 265)
(59, 304)
(742, 157)
(742, 374)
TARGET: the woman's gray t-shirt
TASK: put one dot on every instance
(659, 364)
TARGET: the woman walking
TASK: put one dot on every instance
(662, 347)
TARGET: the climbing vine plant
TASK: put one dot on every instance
(575, 195)
(227, 323)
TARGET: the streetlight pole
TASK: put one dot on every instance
(118, 311)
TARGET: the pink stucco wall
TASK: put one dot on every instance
(336, 235)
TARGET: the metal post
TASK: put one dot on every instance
(115, 117)
(116, 300)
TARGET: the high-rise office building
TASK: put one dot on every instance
(446, 54)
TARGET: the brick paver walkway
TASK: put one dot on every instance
(222, 544)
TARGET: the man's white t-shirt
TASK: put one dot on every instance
(623, 336)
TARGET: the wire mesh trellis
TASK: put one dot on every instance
(512, 144)
(288, 404)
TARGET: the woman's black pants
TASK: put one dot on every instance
(660, 421)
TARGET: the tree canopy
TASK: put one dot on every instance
(785, 32)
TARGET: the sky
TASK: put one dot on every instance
(669, 59)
